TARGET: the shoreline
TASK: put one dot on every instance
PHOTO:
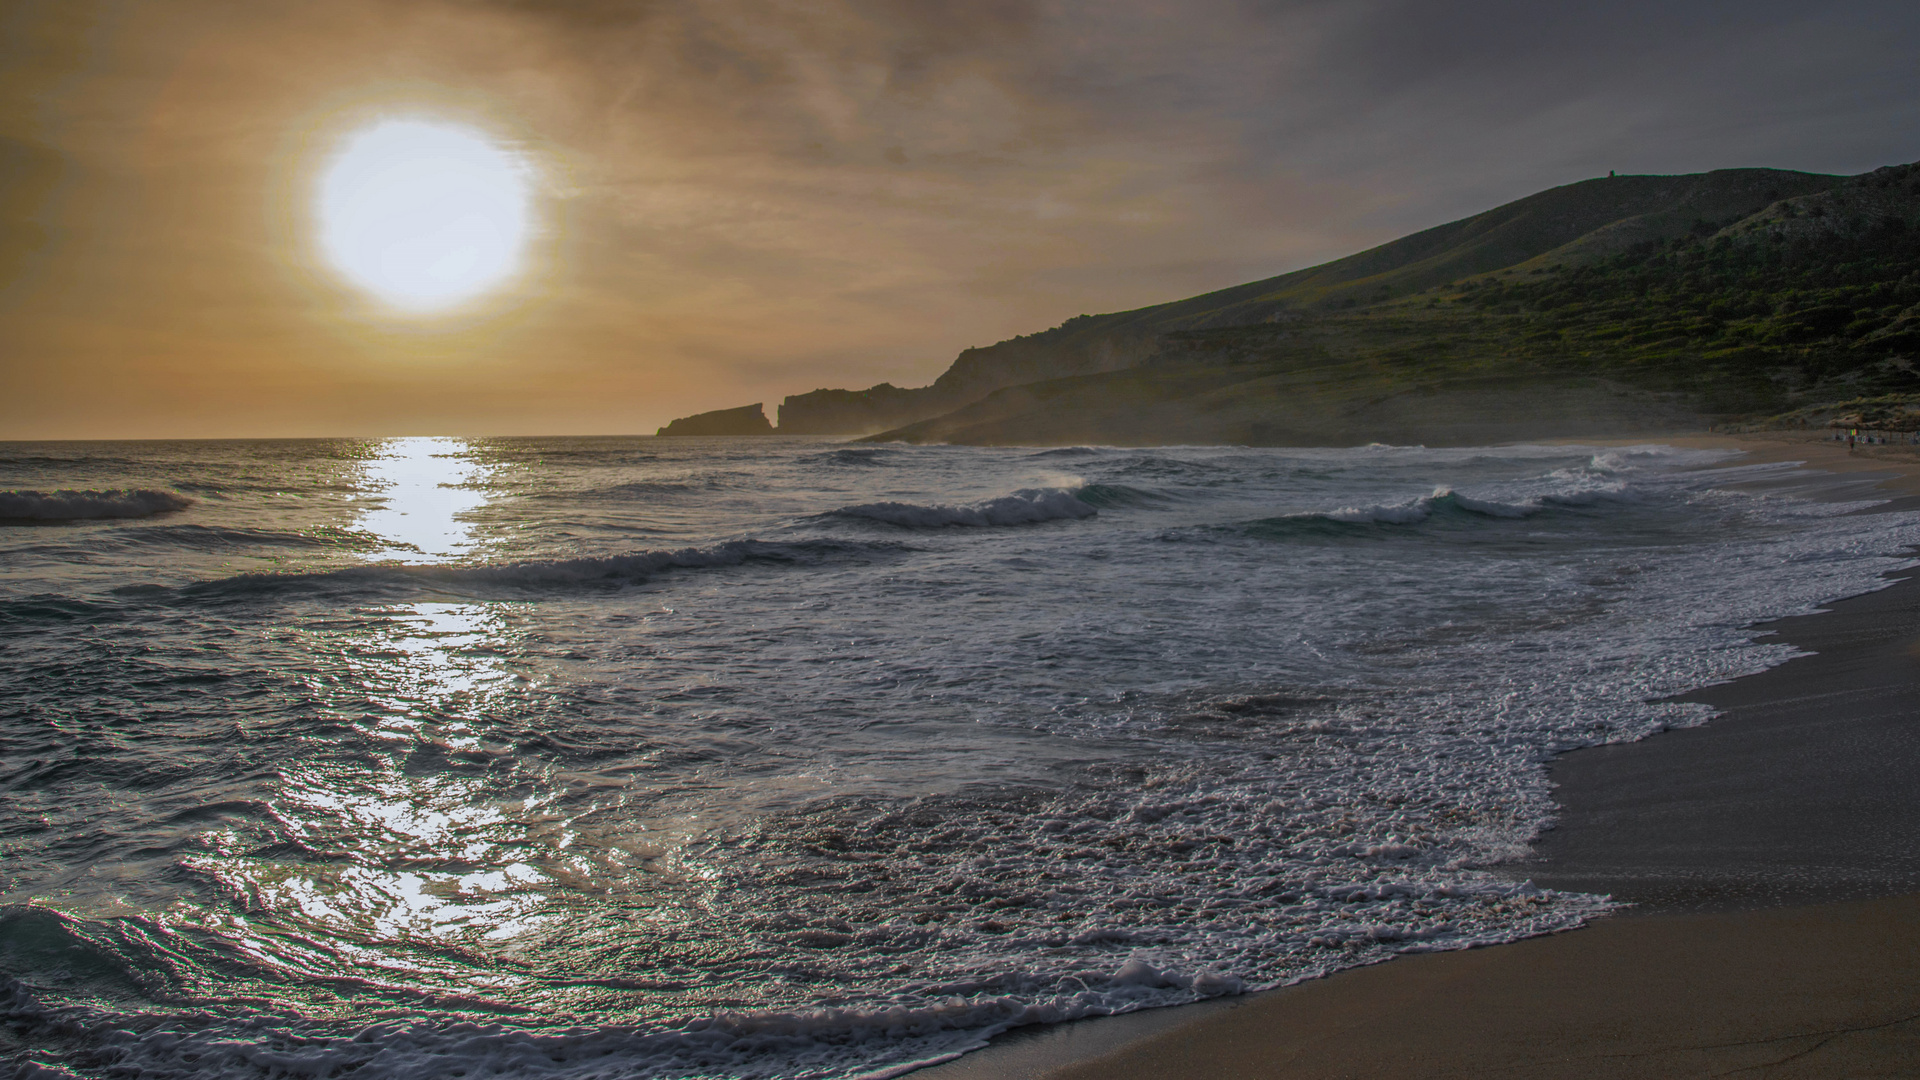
(1771, 855)
(1890, 468)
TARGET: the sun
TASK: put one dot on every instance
(424, 214)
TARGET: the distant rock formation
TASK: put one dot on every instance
(861, 412)
(745, 420)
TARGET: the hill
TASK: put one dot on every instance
(1574, 224)
(1808, 306)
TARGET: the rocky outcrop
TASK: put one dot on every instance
(1884, 198)
(745, 420)
(860, 412)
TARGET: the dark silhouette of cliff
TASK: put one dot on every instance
(1576, 223)
(1639, 327)
(1628, 304)
(745, 420)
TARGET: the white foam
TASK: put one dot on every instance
(1560, 488)
(826, 1041)
(70, 505)
(1255, 831)
(1414, 511)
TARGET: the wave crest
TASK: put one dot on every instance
(1445, 501)
(531, 575)
(1026, 507)
(71, 505)
(1414, 511)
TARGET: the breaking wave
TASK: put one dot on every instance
(1026, 507)
(69, 505)
(1446, 501)
(520, 576)
(945, 782)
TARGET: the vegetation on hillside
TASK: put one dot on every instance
(1789, 308)
(1811, 302)
(1745, 326)
(1573, 223)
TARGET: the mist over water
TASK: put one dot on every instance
(779, 757)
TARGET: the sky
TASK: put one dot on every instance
(734, 201)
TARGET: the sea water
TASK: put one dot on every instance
(790, 758)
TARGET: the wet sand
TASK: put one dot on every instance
(1805, 789)
(1772, 857)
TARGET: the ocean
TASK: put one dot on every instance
(782, 757)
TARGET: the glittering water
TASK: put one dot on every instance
(779, 757)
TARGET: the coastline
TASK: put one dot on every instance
(1772, 858)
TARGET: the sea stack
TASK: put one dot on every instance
(745, 420)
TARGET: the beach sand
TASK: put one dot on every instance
(1772, 857)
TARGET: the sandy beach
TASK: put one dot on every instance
(1771, 858)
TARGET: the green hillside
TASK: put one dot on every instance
(1576, 223)
(1817, 296)
(1651, 322)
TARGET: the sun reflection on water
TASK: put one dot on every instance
(424, 836)
(421, 832)
(427, 488)
(417, 829)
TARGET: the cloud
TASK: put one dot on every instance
(746, 199)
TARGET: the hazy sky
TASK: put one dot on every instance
(742, 200)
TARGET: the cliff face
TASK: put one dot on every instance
(860, 412)
(1568, 225)
(977, 372)
(745, 420)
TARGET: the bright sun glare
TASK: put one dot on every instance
(424, 214)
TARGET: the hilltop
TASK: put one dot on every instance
(1616, 305)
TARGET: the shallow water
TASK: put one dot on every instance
(780, 757)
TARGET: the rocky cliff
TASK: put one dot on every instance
(745, 420)
(859, 412)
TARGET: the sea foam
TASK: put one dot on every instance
(1445, 500)
(819, 805)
